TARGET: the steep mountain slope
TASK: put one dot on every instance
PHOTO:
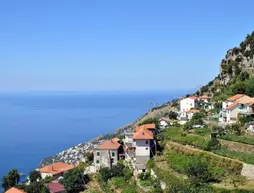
(238, 65)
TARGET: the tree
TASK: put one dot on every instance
(34, 176)
(89, 157)
(149, 121)
(238, 87)
(35, 187)
(172, 115)
(250, 87)
(74, 180)
(12, 179)
(198, 171)
(5, 183)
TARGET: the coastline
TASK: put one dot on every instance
(75, 153)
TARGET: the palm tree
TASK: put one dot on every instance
(34, 176)
(13, 177)
(5, 183)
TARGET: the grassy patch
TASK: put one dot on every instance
(229, 165)
(241, 139)
(202, 131)
(176, 134)
(242, 156)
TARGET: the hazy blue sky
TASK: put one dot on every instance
(117, 45)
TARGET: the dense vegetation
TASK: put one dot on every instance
(74, 180)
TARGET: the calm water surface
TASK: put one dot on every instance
(34, 126)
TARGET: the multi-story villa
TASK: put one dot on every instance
(107, 154)
(140, 146)
(235, 105)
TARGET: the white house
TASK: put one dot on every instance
(205, 102)
(140, 146)
(165, 122)
(187, 116)
(235, 105)
(107, 154)
(188, 103)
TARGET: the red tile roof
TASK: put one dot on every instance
(150, 126)
(55, 187)
(235, 97)
(14, 190)
(204, 97)
(108, 144)
(193, 97)
(115, 140)
(232, 106)
(143, 131)
(56, 168)
(143, 134)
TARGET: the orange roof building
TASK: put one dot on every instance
(14, 190)
(144, 132)
(56, 168)
(235, 97)
(108, 145)
(107, 154)
(116, 140)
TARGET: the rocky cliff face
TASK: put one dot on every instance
(238, 62)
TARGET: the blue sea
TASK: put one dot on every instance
(37, 125)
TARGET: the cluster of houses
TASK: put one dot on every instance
(136, 148)
(232, 108)
(139, 146)
(235, 106)
(191, 105)
(56, 171)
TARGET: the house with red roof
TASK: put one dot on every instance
(55, 170)
(107, 154)
(235, 105)
(55, 187)
(205, 102)
(140, 146)
(186, 105)
(15, 190)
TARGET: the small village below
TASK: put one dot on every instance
(202, 142)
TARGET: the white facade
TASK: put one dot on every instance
(44, 175)
(163, 124)
(143, 147)
(105, 158)
(187, 104)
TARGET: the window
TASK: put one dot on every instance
(97, 161)
(146, 148)
(98, 153)
(112, 160)
(146, 141)
(113, 154)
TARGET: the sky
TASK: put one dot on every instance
(86, 45)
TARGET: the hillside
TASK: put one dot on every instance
(236, 69)
(191, 159)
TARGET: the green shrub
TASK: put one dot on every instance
(119, 182)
